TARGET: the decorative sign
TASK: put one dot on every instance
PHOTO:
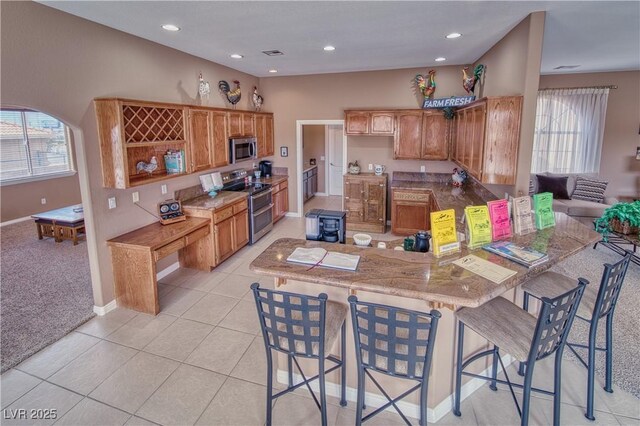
(453, 101)
(543, 209)
(500, 222)
(478, 226)
(443, 231)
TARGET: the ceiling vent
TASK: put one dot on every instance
(566, 67)
(272, 52)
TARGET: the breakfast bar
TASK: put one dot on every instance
(420, 281)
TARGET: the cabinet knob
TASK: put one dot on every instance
(366, 201)
(346, 198)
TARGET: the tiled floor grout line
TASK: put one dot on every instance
(214, 397)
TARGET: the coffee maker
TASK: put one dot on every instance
(265, 168)
(326, 225)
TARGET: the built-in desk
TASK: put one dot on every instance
(134, 256)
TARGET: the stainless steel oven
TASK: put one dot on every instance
(242, 149)
(261, 214)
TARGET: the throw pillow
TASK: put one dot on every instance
(589, 189)
(556, 185)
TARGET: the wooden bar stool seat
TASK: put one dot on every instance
(552, 284)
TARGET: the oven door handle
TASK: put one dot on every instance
(252, 150)
(262, 210)
(262, 194)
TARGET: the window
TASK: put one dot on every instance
(32, 145)
(568, 130)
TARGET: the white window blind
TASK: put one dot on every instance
(32, 144)
(568, 130)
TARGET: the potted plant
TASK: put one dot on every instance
(623, 218)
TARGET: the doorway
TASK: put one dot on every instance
(321, 162)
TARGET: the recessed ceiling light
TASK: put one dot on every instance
(454, 35)
(440, 59)
(236, 56)
(329, 48)
(273, 71)
(171, 27)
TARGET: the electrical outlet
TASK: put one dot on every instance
(112, 202)
(43, 201)
(322, 158)
(135, 196)
(370, 166)
(423, 169)
(163, 189)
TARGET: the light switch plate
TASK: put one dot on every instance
(370, 166)
(43, 201)
(423, 169)
(163, 189)
(322, 158)
(135, 196)
(112, 202)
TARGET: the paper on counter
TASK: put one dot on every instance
(320, 257)
(484, 268)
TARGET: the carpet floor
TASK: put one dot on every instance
(45, 291)
(626, 325)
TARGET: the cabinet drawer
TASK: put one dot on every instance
(284, 185)
(172, 247)
(220, 215)
(410, 196)
(237, 208)
(275, 188)
(196, 235)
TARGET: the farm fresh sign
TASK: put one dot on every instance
(454, 101)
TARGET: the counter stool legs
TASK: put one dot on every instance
(456, 398)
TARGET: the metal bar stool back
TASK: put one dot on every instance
(396, 342)
(301, 326)
(595, 306)
(511, 328)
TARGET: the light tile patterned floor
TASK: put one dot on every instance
(201, 361)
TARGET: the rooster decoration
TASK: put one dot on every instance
(427, 86)
(469, 83)
(257, 99)
(203, 87)
(458, 176)
(147, 167)
(233, 96)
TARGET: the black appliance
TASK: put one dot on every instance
(326, 225)
(260, 202)
(242, 149)
(265, 168)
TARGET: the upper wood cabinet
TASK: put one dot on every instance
(435, 136)
(408, 139)
(133, 131)
(268, 136)
(264, 134)
(486, 139)
(381, 123)
(200, 140)
(220, 138)
(241, 123)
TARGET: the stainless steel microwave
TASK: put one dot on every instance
(242, 149)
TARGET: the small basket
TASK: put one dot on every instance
(623, 228)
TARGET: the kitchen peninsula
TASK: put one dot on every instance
(421, 281)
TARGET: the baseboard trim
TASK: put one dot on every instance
(168, 270)
(292, 214)
(103, 310)
(18, 220)
(321, 194)
(409, 409)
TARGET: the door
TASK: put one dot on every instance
(224, 239)
(409, 217)
(382, 123)
(200, 136)
(353, 199)
(268, 135)
(335, 142)
(248, 127)
(407, 143)
(241, 229)
(235, 124)
(375, 201)
(435, 136)
(220, 141)
(357, 122)
(260, 135)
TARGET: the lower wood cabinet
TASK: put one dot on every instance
(229, 231)
(365, 201)
(410, 209)
(280, 200)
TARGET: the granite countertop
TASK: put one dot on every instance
(205, 202)
(421, 275)
(273, 180)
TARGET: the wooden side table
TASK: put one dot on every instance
(134, 256)
(66, 223)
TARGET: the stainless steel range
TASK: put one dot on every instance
(260, 201)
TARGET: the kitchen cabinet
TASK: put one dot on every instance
(486, 139)
(280, 200)
(365, 201)
(220, 139)
(200, 139)
(407, 143)
(229, 231)
(410, 210)
(421, 135)
(241, 123)
(264, 134)
(309, 183)
(377, 123)
(133, 131)
(435, 136)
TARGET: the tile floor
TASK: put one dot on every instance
(201, 361)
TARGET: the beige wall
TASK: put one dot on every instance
(57, 63)
(23, 199)
(618, 163)
(513, 68)
(313, 142)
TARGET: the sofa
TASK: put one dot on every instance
(587, 210)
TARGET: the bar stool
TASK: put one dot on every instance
(301, 326)
(596, 304)
(396, 342)
(517, 332)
